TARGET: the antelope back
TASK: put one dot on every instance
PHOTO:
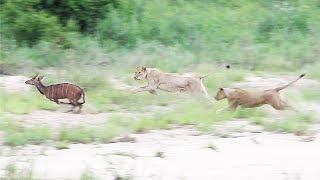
(63, 91)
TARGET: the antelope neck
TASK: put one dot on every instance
(41, 87)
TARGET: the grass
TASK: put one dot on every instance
(311, 94)
(123, 178)
(11, 172)
(313, 70)
(10, 125)
(190, 112)
(16, 134)
(133, 156)
(249, 112)
(61, 144)
(22, 103)
(159, 154)
(35, 135)
(293, 123)
(212, 147)
(193, 113)
(77, 134)
(184, 112)
(87, 175)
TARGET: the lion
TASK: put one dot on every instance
(169, 82)
(250, 99)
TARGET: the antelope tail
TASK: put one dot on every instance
(287, 85)
(83, 98)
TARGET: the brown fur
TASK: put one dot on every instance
(59, 91)
(239, 97)
(169, 82)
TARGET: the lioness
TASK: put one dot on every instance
(169, 82)
(239, 97)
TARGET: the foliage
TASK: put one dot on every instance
(292, 123)
(87, 175)
(311, 94)
(61, 145)
(29, 21)
(24, 103)
(17, 135)
(26, 24)
(77, 135)
(12, 172)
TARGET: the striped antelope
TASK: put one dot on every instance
(60, 91)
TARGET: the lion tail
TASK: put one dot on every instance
(287, 85)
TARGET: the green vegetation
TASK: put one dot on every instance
(249, 112)
(113, 37)
(11, 172)
(212, 147)
(87, 175)
(311, 94)
(85, 42)
(22, 103)
(61, 145)
(159, 154)
(193, 113)
(296, 123)
(273, 35)
(77, 135)
(17, 135)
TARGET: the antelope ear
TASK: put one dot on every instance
(40, 77)
(144, 68)
(221, 89)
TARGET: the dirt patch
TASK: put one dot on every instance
(116, 83)
(15, 83)
(254, 156)
(56, 120)
(272, 81)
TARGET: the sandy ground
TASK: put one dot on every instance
(13, 83)
(186, 155)
(272, 81)
(236, 150)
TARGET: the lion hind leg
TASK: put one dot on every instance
(277, 103)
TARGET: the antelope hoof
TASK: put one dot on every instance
(69, 111)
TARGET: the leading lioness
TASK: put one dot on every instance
(169, 82)
(239, 97)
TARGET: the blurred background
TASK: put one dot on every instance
(120, 135)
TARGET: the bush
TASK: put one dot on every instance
(28, 25)
(34, 135)
(24, 103)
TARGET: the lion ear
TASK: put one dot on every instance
(40, 78)
(144, 68)
(221, 89)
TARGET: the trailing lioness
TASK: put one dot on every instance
(169, 82)
(239, 97)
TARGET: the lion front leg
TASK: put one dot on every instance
(233, 105)
(145, 88)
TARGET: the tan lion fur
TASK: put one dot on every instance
(169, 82)
(249, 99)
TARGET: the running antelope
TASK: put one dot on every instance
(60, 91)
